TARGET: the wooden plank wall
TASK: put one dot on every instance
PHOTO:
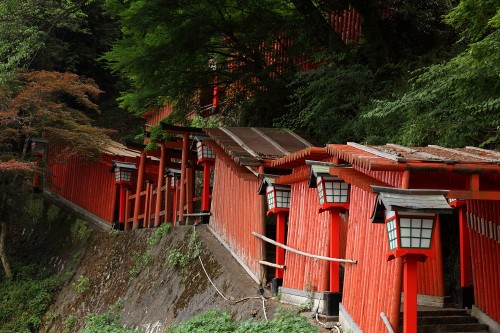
(430, 274)
(369, 285)
(483, 220)
(88, 185)
(236, 212)
(308, 231)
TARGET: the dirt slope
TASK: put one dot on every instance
(159, 294)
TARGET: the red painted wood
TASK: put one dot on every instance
(280, 238)
(335, 222)
(465, 261)
(205, 200)
(483, 218)
(183, 182)
(236, 212)
(138, 189)
(410, 296)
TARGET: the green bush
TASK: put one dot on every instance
(24, 301)
(80, 231)
(159, 232)
(217, 321)
(81, 285)
(140, 261)
(177, 259)
(108, 322)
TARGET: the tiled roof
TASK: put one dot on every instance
(396, 157)
(251, 146)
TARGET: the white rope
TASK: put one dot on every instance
(215, 287)
(203, 266)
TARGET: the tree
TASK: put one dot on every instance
(44, 104)
(28, 30)
(455, 102)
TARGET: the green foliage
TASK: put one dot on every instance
(24, 301)
(82, 284)
(108, 322)
(217, 321)
(177, 259)
(182, 256)
(210, 321)
(69, 324)
(80, 230)
(455, 103)
(159, 232)
(326, 101)
(34, 209)
(31, 31)
(141, 260)
(475, 18)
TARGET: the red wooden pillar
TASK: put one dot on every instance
(161, 173)
(334, 249)
(121, 214)
(205, 195)
(140, 180)
(465, 274)
(175, 201)
(182, 194)
(168, 199)
(410, 294)
(127, 209)
(280, 238)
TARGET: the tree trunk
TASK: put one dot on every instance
(3, 255)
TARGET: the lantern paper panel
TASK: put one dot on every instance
(278, 197)
(332, 190)
(416, 232)
(204, 151)
(122, 175)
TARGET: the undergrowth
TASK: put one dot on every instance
(24, 300)
(217, 321)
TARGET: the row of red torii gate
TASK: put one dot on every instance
(354, 226)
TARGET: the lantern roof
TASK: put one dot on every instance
(39, 140)
(171, 172)
(123, 165)
(321, 169)
(199, 138)
(408, 200)
(267, 180)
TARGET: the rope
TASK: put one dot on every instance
(217, 289)
(204, 270)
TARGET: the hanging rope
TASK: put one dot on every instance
(217, 289)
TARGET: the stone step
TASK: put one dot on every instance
(442, 312)
(453, 328)
(450, 328)
(439, 320)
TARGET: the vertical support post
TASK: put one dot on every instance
(168, 199)
(398, 278)
(147, 207)
(127, 209)
(140, 180)
(280, 238)
(182, 196)
(190, 173)
(175, 201)
(410, 299)
(466, 291)
(334, 249)
(161, 173)
(205, 195)
(465, 274)
(121, 213)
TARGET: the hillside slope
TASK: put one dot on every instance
(124, 271)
